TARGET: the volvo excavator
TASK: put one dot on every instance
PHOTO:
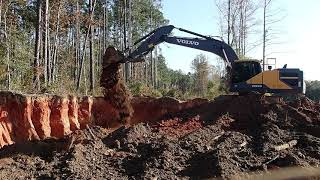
(244, 75)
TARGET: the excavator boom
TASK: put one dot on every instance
(163, 34)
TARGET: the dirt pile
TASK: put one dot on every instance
(238, 134)
(223, 138)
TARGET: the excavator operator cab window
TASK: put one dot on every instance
(243, 71)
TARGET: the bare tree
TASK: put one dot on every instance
(229, 23)
(7, 40)
(84, 46)
(271, 16)
(77, 43)
(46, 44)
(91, 49)
(237, 21)
(37, 72)
(264, 32)
(155, 76)
(105, 24)
(55, 46)
(129, 36)
(0, 12)
(151, 53)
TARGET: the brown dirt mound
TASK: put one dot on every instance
(230, 136)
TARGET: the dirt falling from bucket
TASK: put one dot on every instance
(114, 89)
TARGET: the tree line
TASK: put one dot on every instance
(58, 44)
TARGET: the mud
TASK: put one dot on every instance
(227, 137)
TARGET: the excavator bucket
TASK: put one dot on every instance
(112, 56)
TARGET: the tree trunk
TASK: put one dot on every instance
(77, 44)
(45, 48)
(37, 72)
(8, 84)
(151, 53)
(229, 15)
(264, 34)
(91, 50)
(127, 30)
(82, 59)
(240, 29)
(156, 68)
(85, 80)
(130, 42)
(54, 62)
(105, 25)
(0, 13)
(55, 48)
(84, 48)
(146, 72)
(99, 55)
(152, 69)
(245, 28)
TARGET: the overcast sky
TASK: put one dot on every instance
(300, 33)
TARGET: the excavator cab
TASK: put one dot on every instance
(247, 76)
(244, 70)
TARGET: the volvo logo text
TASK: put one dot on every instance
(188, 42)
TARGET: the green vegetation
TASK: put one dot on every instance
(313, 90)
(58, 45)
(205, 81)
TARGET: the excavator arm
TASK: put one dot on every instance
(163, 34)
